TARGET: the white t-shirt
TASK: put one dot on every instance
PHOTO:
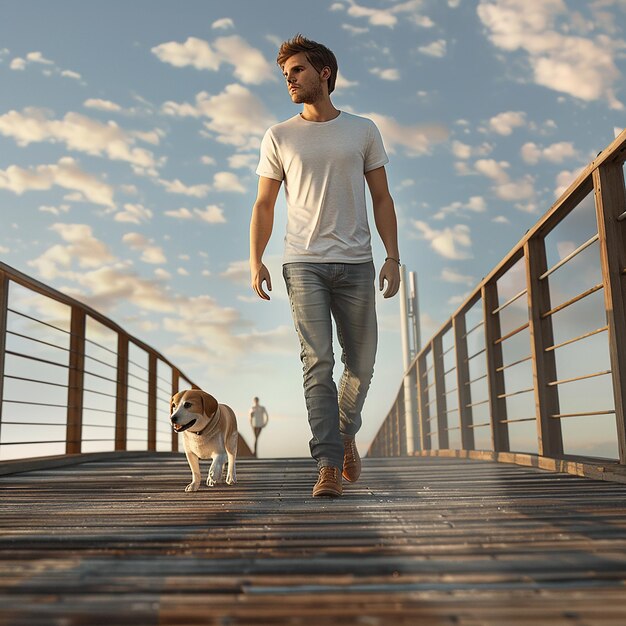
(258, 415)
(322, 165)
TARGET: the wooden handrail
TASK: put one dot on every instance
(604, 176)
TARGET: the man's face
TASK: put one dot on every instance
(303, 80)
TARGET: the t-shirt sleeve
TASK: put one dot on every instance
(270, 164)
(375, 155)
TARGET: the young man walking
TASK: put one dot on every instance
(324, 157)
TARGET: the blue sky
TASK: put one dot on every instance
(129, 135)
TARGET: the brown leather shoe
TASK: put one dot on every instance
(328, 483)
(351, 460)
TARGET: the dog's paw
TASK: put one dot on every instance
(231, 481)
(192, 487)
(210, 482)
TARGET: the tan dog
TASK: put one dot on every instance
(209, 431)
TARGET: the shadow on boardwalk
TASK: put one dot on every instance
(415, 541)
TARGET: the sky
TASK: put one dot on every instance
(129, 136)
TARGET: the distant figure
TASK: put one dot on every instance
(258, 420)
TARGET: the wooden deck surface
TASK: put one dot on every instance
(415, 541)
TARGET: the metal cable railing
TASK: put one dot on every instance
(527, 330)
(63, 390)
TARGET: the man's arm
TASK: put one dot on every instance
(260, 231)
(387, 227)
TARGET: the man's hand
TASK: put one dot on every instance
(259, 277)
(390, 272)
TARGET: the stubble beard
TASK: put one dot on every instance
(308, 96)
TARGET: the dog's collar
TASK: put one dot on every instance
(215, 415)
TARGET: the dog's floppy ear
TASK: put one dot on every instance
(173, 399)
(209, 403)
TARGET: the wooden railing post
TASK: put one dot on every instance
(121, 396)
(175, 386)
(4, 305)
(76, 375)
(422, 403)
(495, 375)
(610, 206)
(152, 401)
(440, 391)
(462, 380)
(549, 434)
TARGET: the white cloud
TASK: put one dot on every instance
(555, 153)
(464, 151)
(102, 105)
(386, 17)
(250, 66)
(223, 24)
(344, 83)
(521, 189)
(65, 173)
(149, 252)
(242, 161)
(71, 74)
(37, 57)
(504, 123)
(415, 140)
(388, 74)
(355, 30)
(493, 169)
(505, 188)
(475, 204)
(235, 116)
(212, 214)
(238, 272)
(450, 242)
(176, 186)
(582, 67)
(564, 179)
(228, 182)
(17, 64)
(435, 49)
(82, 248)
(77, 132)
(63, 208)
(208, 160)
(452, 276)
(500, 219)
(134, 214)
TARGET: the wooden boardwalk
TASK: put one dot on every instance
(415, 541)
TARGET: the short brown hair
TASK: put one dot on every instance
(319, 56)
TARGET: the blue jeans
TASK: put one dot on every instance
(346, 292)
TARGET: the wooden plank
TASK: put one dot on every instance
(549, 434)
(76, 374)
(495, 374)
(610, 204)
(429, 540)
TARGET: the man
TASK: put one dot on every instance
(258, 420)
(325, 156)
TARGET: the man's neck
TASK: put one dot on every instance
(322, 111)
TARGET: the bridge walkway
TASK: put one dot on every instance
(415, 541)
